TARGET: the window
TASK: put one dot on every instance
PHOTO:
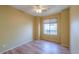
(50, 27)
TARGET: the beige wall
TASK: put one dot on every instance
(63, 28)
(15, 27)
(36, 27)
(74, 29)
(65, 35)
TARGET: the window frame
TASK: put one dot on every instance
(49, 26)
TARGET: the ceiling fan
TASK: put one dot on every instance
(39, 8)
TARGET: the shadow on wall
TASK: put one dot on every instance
(15, 27)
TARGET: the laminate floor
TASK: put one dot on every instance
(39, 47)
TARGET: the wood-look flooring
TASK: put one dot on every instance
(39, 47)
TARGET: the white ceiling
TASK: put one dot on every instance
(52, 9)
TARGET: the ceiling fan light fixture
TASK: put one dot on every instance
(39, 8)
(39, 11)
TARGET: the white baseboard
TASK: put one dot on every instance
(16, 46)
